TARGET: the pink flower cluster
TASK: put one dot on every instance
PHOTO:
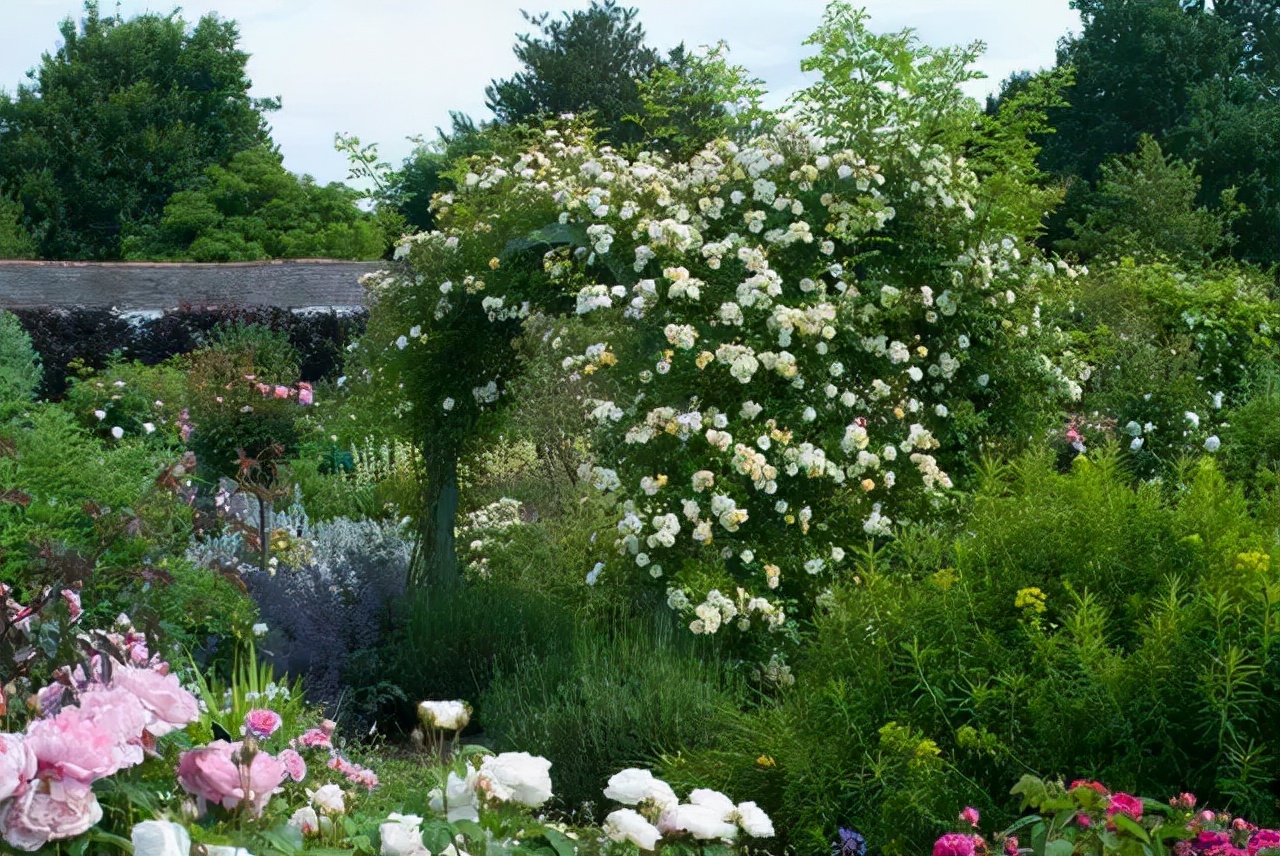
(304, 392)
(47, 772)
(233, 775)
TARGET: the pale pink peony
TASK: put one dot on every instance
(294, 766)
(314, 738)
(169, 706)
(281, 392)
(50, 810)
(213, 774)
(305, 394)
(954, 845)
(17, 766)
(261, 723)
(78, 745)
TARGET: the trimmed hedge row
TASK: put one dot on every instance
(65, 335)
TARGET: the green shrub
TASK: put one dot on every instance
(611, 700)
(447, 644)
(140, 400)
(20, 370)
(1076, 626)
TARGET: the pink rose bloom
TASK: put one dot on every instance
(1091, 785)
(263, 388)
(1186, 801)
(211, 773)
(1084, 820)
(354, 772)
(72, 598)
(314, 738)
(1125, 804)
(169, 706)
(1011, 846)
(954, 845)
(261, 723)
(49, 811)
(282, 392)
(305, 393)
(17, 766)
(1264, 839)
(970, 816)
(77, 744)
(294, 766)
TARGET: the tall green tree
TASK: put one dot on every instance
(586, 60)
(118, 118)
(1202, 78)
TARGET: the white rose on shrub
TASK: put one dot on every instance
(160, 838)
(628, 825)
(516, 777)
(402, 835)
(700, 821)
(633, 786)
(754, 821)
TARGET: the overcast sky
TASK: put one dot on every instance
(389, 69)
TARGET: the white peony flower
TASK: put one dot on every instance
(446, 715)
(101, 414)
(714, 800)
(328, 799)
(754, 821)
(517, 777)
(460, 792)
(402, 835)
(628, 825)
(633, 786)
(160, 838)
(1212, 443)
(305, 820)
(700, 821)
(117, 432)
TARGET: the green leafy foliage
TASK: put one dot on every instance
(1074, 625)
(255, 209)
(1145, 207)
(20, 370)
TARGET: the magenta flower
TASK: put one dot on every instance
(954, 844)
(1125, 804)
(970, 816)
(1264, 839)
(1011, 846)
(260, 723)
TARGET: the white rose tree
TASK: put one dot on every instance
(818, 335)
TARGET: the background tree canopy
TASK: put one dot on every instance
(119, 117)
(1202, 78)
